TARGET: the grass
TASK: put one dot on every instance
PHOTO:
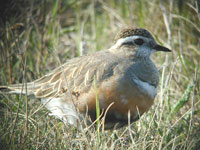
(38, 36)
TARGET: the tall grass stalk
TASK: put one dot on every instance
(97, 109)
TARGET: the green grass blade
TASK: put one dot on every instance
(181, 102)
(97, 109)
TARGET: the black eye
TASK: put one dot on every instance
(139, 41)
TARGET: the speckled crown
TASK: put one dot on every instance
(133, 31)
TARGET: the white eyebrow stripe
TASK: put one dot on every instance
(126, 39)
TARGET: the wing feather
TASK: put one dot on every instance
(75, 75)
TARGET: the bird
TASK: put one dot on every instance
(123, 80)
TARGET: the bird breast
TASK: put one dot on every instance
(146, 88)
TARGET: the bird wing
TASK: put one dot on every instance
(76, 75)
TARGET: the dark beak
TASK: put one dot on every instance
(161, 48)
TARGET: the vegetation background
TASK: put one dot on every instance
(37, 35)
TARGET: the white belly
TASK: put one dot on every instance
(62, 110)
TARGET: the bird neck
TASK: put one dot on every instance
(131, 53)
(122, 51)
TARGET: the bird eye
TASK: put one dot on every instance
(139, 41)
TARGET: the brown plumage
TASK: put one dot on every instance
(124, 75)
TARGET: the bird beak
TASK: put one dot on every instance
(161, 48)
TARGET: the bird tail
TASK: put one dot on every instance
(27, 88)
(45, 86)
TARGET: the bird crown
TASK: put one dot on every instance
(133, 31)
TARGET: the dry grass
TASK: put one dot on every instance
(37, 36)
